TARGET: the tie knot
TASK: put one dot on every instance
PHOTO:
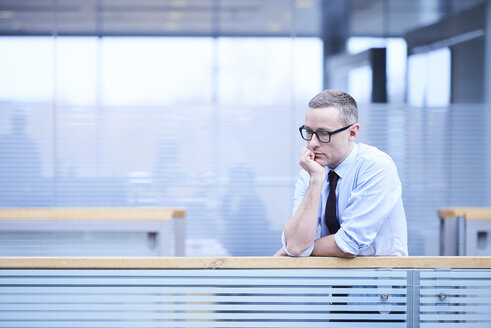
(333, 179)
(332, 176)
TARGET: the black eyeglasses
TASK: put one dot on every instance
(322, 135)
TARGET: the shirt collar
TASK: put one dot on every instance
(342, 168)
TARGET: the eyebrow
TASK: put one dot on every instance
(321, 129)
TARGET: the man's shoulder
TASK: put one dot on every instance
(371, 155)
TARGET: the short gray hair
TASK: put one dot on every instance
(346, 105)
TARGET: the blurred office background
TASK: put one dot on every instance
(197, 104)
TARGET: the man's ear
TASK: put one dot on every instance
(353, 132)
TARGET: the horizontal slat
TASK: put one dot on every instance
(456, 282)
(190, 281)
(460, 291)
(460, 316)
(400, 275)
(172, 306)
(203, 324)
(131, 298)
(454, 324)
(459, 300)
(475, 308)
(459, 274)
(280, 290)
(143, 315)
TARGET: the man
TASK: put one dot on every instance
(348, 195)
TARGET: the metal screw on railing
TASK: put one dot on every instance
(442, 296)
(384, 297)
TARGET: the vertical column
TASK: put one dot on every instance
(487, 98)
(413, 298)
(180, 236)
(335, 26)
(166, 238)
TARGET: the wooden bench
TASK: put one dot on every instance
(164, 228)
(246, 292)
(462, 229)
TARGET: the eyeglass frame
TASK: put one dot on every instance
(317, 135)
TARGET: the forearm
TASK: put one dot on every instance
(326, 246)
(300, 230)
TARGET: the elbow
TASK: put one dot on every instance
(343, 254)
(296, 250)
(348, 255)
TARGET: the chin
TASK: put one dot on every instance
(321, 162)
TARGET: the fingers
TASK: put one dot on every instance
(306, 154)
(307, 158)
(308, 163)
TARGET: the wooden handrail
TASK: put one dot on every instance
(92, 213)
(417, 262)
(468, 213)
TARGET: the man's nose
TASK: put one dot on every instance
(314, 142)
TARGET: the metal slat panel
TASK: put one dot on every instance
(452, 298)
(209, 298)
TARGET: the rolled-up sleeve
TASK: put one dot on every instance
(374, 197)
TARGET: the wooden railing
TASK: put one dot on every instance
(410, 262)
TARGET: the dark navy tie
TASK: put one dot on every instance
(330, 215)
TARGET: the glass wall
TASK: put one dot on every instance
(200, 123)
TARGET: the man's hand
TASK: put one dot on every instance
(308, 163)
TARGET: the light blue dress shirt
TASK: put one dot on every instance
(369, 205)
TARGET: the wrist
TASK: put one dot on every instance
(317, 178)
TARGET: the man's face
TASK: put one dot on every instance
(333, 153)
